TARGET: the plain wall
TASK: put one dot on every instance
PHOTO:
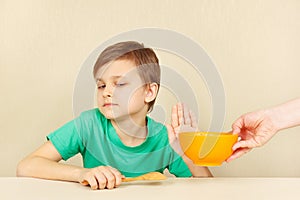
(254, 44)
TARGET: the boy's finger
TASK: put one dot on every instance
(92, 182)
(110, 179)
(101, 179)
(118, 176)
(171, 133)
(180, 114)
(194, 122)
(84, 182)
(174, 116)
(186, 115)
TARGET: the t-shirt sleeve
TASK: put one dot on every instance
(178, 167)
(67, 140)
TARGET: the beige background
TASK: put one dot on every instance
(254, 44)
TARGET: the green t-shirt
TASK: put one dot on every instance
(94, 137)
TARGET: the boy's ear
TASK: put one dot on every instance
(151, 92)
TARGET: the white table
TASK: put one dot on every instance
(172, 188)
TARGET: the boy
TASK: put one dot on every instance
(116, 139)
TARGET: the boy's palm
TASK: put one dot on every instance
(182, 120)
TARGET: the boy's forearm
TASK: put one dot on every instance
(197, 171)
(39, 167)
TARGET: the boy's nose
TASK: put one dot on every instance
(108, 91)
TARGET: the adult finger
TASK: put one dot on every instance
(248, 143)
(238, 125)
(238, 153)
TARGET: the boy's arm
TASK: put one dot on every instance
(182, 118)
(44, 163)
(197, 171)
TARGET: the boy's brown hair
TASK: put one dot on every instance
(144, 58)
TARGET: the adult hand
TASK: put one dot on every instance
(254, 129)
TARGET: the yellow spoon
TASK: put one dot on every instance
(148, 176)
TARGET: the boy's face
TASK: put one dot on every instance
(121, 92)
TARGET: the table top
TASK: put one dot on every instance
(178, 188)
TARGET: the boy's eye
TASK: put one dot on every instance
(101, 86)
(120, 84)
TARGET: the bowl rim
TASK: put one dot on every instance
(203, 133)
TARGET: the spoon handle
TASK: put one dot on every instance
(129, 179)
(147, 176)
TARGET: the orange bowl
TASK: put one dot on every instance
(207, 148)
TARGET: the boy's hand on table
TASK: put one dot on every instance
(101, 177)
(182, 120)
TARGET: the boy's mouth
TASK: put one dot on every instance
(109, 104)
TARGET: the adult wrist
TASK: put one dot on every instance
(278, 119)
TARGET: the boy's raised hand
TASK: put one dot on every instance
(182, 120)
(101, 177)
